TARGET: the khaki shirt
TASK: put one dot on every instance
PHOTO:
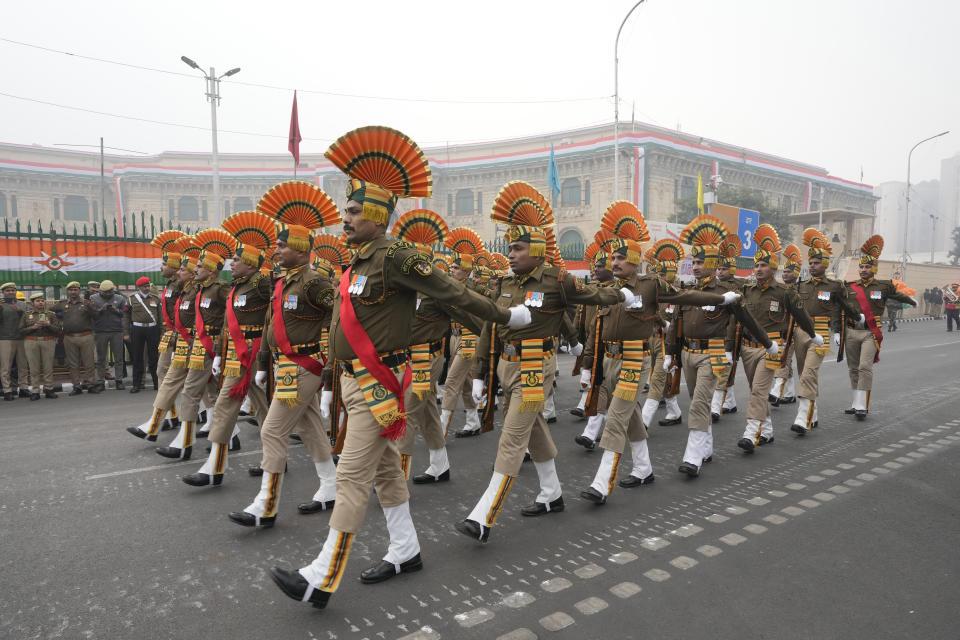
(306, 300)
(136, 312)
(170, 296)
(76, 317)
(387, 275)
(877, 292)
(185, 305)
(772, 303)
(44, 323)
(827, 297)
(212, 307)
(251, 299)
(712, 321)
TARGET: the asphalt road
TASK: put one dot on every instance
(851, 532)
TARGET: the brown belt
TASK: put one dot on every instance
(77, 335)
(40, 338)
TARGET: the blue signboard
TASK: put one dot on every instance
(747, 226)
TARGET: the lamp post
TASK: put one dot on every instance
(213, 97)
(616, 106)
(906, 209)
(933, 234)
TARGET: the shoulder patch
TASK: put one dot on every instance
(396, 246)
(423, 267)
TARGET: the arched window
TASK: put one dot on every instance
(570, 192)
(76, 208)
(571, 238)
(188, 208)
(242, 204)
(464, 201)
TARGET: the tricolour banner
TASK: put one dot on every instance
(47, 262)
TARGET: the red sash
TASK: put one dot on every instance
(367, 354)
(166, 316)
(182, 330)
(861, 294)
(280, 332)
(244, 355)
(202, 335)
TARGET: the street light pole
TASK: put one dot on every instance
(933, 234)
(906, 210)
(616, 106)
(213, 96)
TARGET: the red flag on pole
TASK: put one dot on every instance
(294, 141)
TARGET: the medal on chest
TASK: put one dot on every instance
(823, 295)
(290, 301)
(240, 300)
(357, 284)
(876, 295)
(774, 305)
(205, 303)
(534, 299)
(167, 293)
(184, 305)
(709, 308)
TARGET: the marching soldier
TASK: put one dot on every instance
(777, 310)
(245, 308)
(183, 321)
(293, 350)
(168, 243)
(784, 390)
(462, 367)
(369, 335)
(725, 397)
(143, 320)
(863, 344)
(11, 344)
(527, 365)
(602, 270)
(77, 316)
(40, 329)
(827, 302)
(703, 340)
(627, 332)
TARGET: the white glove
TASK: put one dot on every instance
(260, 379)
(576, 349)
(326, 397)
(730, 297)
(818, 340)
(629, 300)
(215, 367)
(729, 355)
(478, 391)
(667, 362)
(519, 316)
(836, 339)
(585, 376)
(774, 348)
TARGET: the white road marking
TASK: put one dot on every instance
(156, 467)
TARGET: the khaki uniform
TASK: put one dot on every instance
(586, 324)
(11, 345)
(170, 297)
(78, 344)
(210, 304)
(861, 345)
(172, 382)
(771, 304)
(462, 370)
(40, 331)
(385, 307)
(250, 297)
(145, 327)
(306, 301)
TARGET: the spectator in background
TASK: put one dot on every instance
(143, 323)
(40, 329)
(109, 328)
(11, 344)
(937, 302)
(77, 315)
(92, 287)
(926, 302)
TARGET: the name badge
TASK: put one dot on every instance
(240, 300)
(774, 305)
(358, 284)
(876, 295)
(823, 295)
(709, 308)
(205, 303)
(534, 299)
(290, 302)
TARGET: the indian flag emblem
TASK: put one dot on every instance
(54, 262)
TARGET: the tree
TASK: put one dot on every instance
(745, 198)
(955, 252)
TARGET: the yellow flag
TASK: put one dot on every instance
(699, 193)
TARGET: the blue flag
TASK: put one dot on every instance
(553, 176)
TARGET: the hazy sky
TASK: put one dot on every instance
(842, 84)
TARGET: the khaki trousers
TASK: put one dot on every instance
(197, 385)
(40, 357)
(624, 422)
(658, 377)
(282, 419)
(170, 386)
(11, 350)
(423, 415)
(860, 348)
(163, 362)
(522, 430)
(367, 460)
(760, 378)
(226, 410)
(701, 383)
(459, 382)
(114, 341)
(81, 356)
(786, 371)
(808, 364)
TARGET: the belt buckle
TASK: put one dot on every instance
(510, 350)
